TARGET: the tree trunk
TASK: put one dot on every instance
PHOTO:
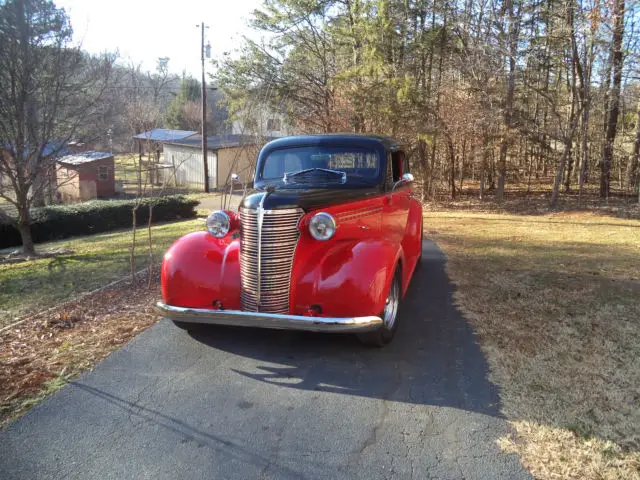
(24, 227)
(28, 248)
(132, 248)
(584, 148)
(558, 180)
(614, 99)
(568, 144)
(582, 73)
(634, 164)
(432, 167)
(150, 246)
(530, 168)
(424, 167)
(513, 33)
(567, 180)
(452, 166)
(491, 174)
(462, 162)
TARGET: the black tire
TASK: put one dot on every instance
(383, 336)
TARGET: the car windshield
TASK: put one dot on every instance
(321, 166)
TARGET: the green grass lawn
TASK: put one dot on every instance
(31, 286)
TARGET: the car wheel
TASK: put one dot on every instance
(389, 315)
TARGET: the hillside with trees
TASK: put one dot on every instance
(515, 93)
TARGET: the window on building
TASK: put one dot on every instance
(273, 124)
(103, 173)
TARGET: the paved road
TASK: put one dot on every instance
(237, 403)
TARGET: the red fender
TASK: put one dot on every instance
(345, 278)
(199, 269)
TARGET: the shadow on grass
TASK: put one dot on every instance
(561, 321)
(545, 222)
(537, 203)
(607, 262)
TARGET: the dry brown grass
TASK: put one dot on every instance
(555, 299)
(40, 355)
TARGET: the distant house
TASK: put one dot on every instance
(262, 121)
(50, 152)
(85, 176)
(151, 142)
(227, 154)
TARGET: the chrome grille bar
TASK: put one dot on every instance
(269, 239)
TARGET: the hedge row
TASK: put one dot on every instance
(62, 221)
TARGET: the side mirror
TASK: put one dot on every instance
(405, 179)
(235, 180)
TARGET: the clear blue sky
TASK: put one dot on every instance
(144, 30)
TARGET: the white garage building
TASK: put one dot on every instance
(226, 154)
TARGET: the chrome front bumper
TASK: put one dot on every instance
(269, 320)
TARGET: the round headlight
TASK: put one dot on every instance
(218, 224)
(322, 226)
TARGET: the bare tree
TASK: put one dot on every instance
(50, 90)
(512, 32)
(634, 167)
(616, 60)
(141, 114)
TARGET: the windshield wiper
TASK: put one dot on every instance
(288, 176)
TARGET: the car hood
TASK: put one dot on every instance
(307, 199)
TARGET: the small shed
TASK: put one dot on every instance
(227, 154)
(85, 176)
(151, 142)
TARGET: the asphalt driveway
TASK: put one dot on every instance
(243, 403)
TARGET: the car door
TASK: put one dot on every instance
(397, 199)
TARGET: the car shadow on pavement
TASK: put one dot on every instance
(434, 359)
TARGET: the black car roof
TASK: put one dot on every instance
(346, 139)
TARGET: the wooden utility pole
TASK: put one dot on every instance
(204, 116)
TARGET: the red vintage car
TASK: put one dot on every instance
(328, 241)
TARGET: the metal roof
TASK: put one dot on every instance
(84, 157)
(219, 141)
(54, 148)
(164, 135)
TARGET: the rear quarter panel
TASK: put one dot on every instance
(412, 241)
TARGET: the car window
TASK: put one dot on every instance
(389, 173)
(359, 165)
(405, 164)
(396, 164)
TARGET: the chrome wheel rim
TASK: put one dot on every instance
(391, 305)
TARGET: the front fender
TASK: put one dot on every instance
(344, 278)
(199, 269)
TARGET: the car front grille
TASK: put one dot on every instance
(266, 258)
